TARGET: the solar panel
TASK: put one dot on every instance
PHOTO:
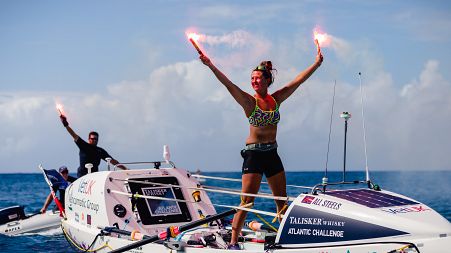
(370, 198)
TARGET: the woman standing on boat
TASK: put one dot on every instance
(260, 153)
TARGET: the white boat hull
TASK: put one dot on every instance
(345, 221)
(82, 236)
(34, 224)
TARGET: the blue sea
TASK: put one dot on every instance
(430, 187)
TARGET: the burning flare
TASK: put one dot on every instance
(59, 108)
(321, 39)
(193, 38)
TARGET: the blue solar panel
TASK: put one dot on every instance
(371, 198)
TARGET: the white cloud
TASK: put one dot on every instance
(183, 105)
(238, 49)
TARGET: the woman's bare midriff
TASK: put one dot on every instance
(265, 134)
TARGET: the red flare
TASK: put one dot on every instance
(193, 38)
(59, 108)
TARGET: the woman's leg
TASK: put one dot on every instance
(278, 185)
(250, 184)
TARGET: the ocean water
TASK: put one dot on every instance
(30, 190)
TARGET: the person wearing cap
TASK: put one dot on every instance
(65, 174)
(89, 153)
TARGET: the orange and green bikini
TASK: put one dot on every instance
(260, 117)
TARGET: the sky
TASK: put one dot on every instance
(126, 70)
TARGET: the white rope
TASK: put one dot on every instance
(239, 180)
(193, 202)
(213, 190)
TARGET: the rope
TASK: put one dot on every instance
(82, 249)
(239, 180)
(267, 196)
(187, 201)
(267, 223)
(243, 202)
(279, 213)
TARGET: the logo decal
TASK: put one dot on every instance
(86, 186)
(410, 209)
(308, 199)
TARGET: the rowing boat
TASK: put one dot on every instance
(157, 209)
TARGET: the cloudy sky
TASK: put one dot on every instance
(126, 70)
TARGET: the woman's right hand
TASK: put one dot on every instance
(319, 57)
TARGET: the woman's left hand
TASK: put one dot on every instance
(205, 60)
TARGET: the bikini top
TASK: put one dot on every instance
(260, 118)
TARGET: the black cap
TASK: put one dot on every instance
(63, 169)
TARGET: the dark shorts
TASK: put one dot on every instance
(262, 162)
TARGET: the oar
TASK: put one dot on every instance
(177, 230)
(33, 214)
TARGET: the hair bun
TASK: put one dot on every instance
(267, 64)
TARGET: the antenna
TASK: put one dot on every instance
(364, 129)
(330, 131)
(166, 153)
(346, 116)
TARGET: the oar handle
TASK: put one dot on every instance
(182, 228)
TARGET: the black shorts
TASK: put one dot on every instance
(262, 162)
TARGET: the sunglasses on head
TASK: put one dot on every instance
(261, 67)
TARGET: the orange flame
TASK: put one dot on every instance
(193, 38)
(321, 38)
(59, 108)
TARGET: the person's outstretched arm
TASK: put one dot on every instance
(286, 91)
(244, 99)
(68, 128)
(47, 202)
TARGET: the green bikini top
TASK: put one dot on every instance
(260, 118)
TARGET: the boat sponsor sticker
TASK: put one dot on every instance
(161, 207)
(305, 225)
(409, 209)
(85, 186)
(85, 203)
(321, 202)
(308, 199)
